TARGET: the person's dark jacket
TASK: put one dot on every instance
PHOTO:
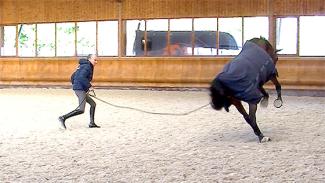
(82, 77)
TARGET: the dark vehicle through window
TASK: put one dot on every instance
(180, 42)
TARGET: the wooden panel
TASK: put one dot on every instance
(28, 69)
(303, 73)
(158, 70)
(193, 8)
(299, 7)
(1, 11)
(32, 11)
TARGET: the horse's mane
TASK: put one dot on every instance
(266, 45)
(261, 41)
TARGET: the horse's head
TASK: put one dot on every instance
(219, 96)
(266, 45)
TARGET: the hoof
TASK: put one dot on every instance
(265, 139)
(62, 123)
(264, 102)
(93, 125)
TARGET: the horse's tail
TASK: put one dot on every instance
(219, 99)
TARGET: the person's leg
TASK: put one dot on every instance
(79, 110)
(92, 103)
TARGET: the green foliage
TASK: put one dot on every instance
(71, 30)
(23, 38)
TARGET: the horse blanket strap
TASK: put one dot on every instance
(247, 72)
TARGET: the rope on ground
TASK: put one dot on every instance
(149, 112)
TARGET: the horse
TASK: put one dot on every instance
(242, 80)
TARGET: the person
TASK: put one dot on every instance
(81, 85)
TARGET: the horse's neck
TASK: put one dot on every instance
(269, 49)
(260, 43)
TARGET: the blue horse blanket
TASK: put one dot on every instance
(249, 70)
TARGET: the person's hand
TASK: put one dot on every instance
(91, 91)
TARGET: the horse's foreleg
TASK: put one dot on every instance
(252, 122)
(277, 87)
(265, 99)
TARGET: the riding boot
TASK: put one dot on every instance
(66, 116)
(92, 123)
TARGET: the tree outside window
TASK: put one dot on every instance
(65, 44)
(46, 40)
(26, 40)
(86, 38)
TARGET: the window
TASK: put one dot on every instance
(312, 37)
(286, 35)
(26, 40)
(134, 37)
(157, 32)
(8, 41)
(298, 35)
(65, 45)
(86, 38)
(180, 37)
(108, 38)
(256, 27)
(230, 35)
(205, 30)
(46, 40)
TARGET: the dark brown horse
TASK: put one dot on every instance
(242, 79)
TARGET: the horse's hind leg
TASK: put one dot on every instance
(252, 122)
(251, 118)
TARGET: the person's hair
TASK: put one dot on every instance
(89, 56)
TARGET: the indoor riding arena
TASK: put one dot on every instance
(123, 91)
